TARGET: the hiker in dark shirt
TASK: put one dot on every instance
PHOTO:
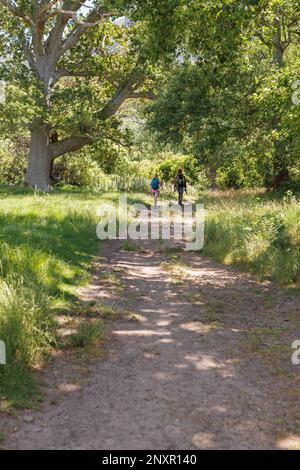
(180, 185)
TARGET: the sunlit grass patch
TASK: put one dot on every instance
(2, 438)
(177, 269)
(256, 233)
(129, 245)
(172, 249)
(47, 243)
(200, 327)
(107, 311)
(269, 343)
(88, 334)
(18, 388)
(91, 309)
(111, 279)
(136, 317)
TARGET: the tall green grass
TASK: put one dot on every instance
(255, 231)
(46, 246)
(47, 243)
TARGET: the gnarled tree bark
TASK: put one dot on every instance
(38, 171)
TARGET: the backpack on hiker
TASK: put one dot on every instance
(181, 183)
(155, 184)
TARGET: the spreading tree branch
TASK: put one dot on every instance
(127, 91)
(54, 40)
(95, 17)
(63, 72)
(70, 144)
(148, 95)
(13, 8)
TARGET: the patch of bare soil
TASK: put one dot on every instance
(198, 358)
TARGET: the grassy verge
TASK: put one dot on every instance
(256, 232)
(47, 243)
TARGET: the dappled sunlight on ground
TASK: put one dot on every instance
(197, 327)
(204, 440)
(289, 443)
(184, 368)
(141, 333)
(203, 362)
(68, 388)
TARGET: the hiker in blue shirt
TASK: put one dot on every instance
(155, 188)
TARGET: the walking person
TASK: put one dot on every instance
(155, 188)
(180, 185)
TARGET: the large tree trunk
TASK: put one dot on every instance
(38, 171)
(43, 151)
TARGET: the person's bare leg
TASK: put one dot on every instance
(180, 196)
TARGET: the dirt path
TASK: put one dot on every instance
(200, 358)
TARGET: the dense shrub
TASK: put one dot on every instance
(168, 163)
(13, 161)
(83, 170)
(78, 169)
